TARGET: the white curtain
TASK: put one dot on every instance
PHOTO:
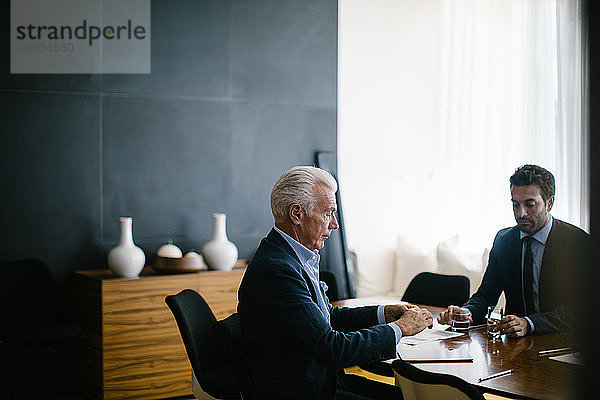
(511, 93)
(487, 86)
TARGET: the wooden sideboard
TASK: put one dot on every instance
(133, 349)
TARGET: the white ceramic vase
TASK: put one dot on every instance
(126, 260)
(220, 253)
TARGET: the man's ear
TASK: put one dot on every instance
(550, 203)
(295, 212)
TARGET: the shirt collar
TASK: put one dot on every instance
(541, 235)
(304, 254)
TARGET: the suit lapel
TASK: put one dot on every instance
(515, 255)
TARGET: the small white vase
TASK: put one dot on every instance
(126, 260)
(220, 253)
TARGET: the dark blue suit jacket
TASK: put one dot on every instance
(562, 261)
(290, 348)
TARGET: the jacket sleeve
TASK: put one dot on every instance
(290, 306)
(349, 319)
(561, 318)
(489, 291)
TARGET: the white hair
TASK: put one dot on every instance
(299, 185)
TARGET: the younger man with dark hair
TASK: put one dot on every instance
(535, 263)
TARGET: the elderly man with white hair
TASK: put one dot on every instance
(294, 342)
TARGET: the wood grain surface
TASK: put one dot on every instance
(133, 348)
(535, 376)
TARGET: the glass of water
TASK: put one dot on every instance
(461, 320)
(493, 319)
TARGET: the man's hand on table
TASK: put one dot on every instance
(513, 326)
(414, 320)
(394, 311)
(445, 317)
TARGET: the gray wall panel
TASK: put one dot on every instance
(239, 92)
(49, 171)
(190, 51)
(169, 173)
(267, 140)
(281, 51)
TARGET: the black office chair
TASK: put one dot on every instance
(210, 363)
(417, 384)
(38, 338)
(229, 331)
(437, 290)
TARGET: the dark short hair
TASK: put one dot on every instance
(529, 174)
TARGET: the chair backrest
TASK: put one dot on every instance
(328, 277)
(38, 337)
(230, 332)
(28, 287)
(210, 363)
(417, 384)
(437, 289)
(32, 312)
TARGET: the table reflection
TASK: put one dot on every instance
(534, 376)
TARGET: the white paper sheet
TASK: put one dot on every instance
(429, 335)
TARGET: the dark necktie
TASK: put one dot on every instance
(528, 276)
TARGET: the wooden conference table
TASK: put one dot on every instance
(534, 376)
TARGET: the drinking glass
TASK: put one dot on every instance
(460, 320)
(493, 318)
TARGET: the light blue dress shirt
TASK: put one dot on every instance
(310, 263)
(538, 244)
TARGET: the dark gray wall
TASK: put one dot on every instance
(240, 91)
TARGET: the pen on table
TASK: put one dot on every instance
(477, 326)
(562, 349)
(485, 378)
